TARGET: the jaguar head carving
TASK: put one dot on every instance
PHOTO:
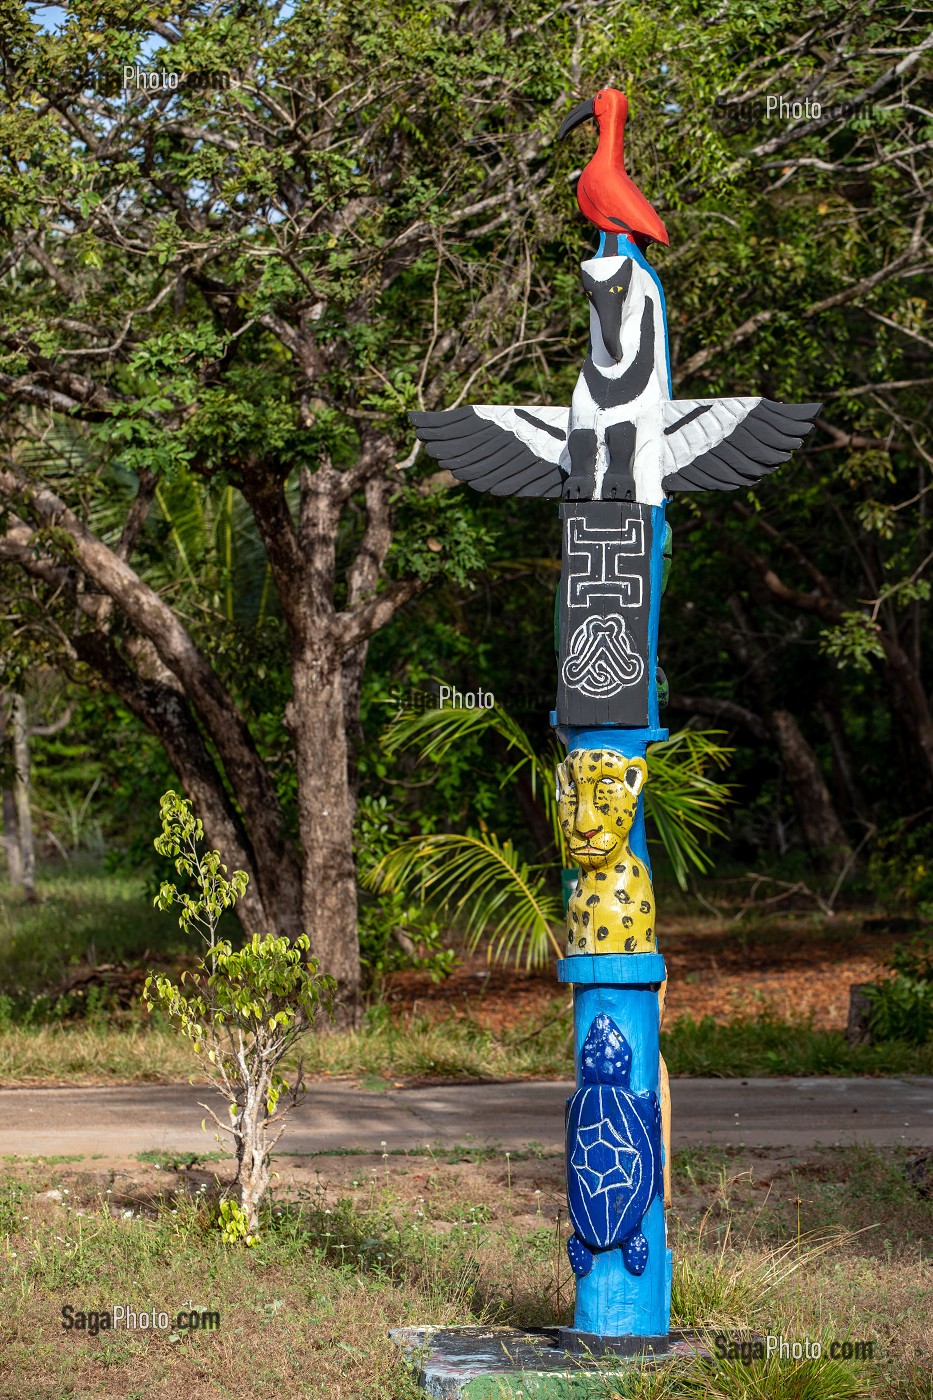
(597, 795)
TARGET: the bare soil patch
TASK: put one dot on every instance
(797, 965)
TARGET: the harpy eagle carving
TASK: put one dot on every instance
(623, 437)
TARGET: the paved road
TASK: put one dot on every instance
(760, 1113)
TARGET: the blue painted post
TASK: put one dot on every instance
(611, 1301)
(616, 1309)
(613, 457)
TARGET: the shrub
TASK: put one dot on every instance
(242, 1011)
(902, 1005)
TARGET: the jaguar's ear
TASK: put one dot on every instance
(564, 777)
(636, 775)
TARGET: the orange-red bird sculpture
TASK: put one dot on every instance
(605, 194)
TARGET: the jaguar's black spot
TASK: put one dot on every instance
(620, 869)
(604, 808)
(586, 917)
(575, 915)
(602, 931)
(623, 897)
(601, 875)
(630, 945)
(644, 907)
(618, 819)
(627, 920)
(649, 934)
(594, 899)
(635, 871)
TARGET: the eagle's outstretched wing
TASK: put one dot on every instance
(506, 451)
(722, 444)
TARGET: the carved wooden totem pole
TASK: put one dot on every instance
(613, 458)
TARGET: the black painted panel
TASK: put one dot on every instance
(604, 598)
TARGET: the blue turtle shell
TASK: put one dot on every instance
(614, 1168)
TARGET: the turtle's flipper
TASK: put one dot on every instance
(635, 1253)
(581, 1258)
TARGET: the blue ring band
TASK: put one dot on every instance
(613, 969)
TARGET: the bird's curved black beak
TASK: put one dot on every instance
(583, 113)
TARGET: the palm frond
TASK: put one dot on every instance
(477, 880)
(684, 797)
(483, 878)
(435, 732)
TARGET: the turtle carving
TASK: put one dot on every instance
(614, 1167)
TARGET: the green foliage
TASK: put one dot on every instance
(481, 880)
(684, 801)
(394, 931)
(484, 885)
(902, 1004)
(900, 871)
(259, 999)
(243, 1011)
(387, 183)
(234, 1224)
(182, 834)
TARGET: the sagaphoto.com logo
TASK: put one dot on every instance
(743, 114)
(158, 81)
(140, 79)
(90, 1322)
(746, 1349)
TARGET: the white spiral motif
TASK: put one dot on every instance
(601, 660)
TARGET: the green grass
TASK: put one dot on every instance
(387, 1051)
(749, 1046)
(349, 1249)
(83, 913)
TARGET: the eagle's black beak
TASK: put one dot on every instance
(579, 114)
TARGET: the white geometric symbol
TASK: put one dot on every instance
(605, 553)
(603, 1158)
(601, 660)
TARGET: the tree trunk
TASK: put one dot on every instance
(22, 795)
(829, 710)
(252, 1156)
(14, 859)
(315, 718)
(822, 829)
(154, 620)
(909, 698)
(910, 709)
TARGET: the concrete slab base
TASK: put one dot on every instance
(498, 1363)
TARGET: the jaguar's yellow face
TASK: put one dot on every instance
(597, 795)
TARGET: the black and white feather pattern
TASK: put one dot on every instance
(623, 436)
(505, 451)
(725, 444)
